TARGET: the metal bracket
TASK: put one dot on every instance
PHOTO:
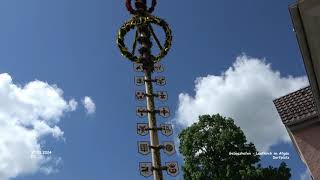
(150, 95)
(157, 147)
(150, 80)
(162, 168)
(148, 111)
(155, 129)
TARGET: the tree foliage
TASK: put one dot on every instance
(206, 146)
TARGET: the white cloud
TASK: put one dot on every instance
(28, 114)
(305, 175)
(89, 105)
(244, 92)
(73, 104)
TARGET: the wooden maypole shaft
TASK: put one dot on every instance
(148, 65)
(142, 21)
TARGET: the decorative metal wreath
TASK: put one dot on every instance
(144, 20)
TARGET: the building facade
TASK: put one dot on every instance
(299, 114)
(305, 15)
(299, 111)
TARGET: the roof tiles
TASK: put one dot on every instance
(296, 106)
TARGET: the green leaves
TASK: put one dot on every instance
(206, 146)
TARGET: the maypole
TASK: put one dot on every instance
(142, 22)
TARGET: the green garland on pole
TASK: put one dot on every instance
(139, 20)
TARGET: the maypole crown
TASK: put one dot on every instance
(141, 6)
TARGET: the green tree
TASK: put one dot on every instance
(206, 147)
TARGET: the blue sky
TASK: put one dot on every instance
(71, 43)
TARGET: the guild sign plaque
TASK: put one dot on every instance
(164, 112)
(144, 147)
(138, 67)
(172, 168)
(161, 81)
(145, 169)
(158, 68)
(168, 148)
(142, 129)
(140, 95)
(166, 129)
(141, 111)
(139, 80)
(162, 95)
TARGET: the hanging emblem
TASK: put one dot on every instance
(158, 68)
(166, 129)
(168, 148)
(162, 95)
(164, 112)
(161, 81)
(141, 111)
(145, 169)
(142, 129)
(139, 80)
(144, 147)
(138, 67)
(140, 95)
(172, 168)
